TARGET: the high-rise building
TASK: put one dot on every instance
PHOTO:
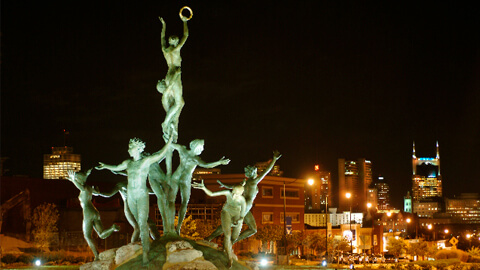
(354, 177)
(383, 194)
(426, 177)
(318, 194)
(61, 160)
(262, 166)
(465, 208)
(407, 203)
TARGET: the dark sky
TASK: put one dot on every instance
(317, 80)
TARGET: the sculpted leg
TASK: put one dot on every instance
(97, 225)
(133, 223)
(218, 231)
(227, 236)
(143, 224)
(252, 227)
(185, 190)
(170, 209)
(87, 227)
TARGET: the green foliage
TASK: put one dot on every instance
(25, 258)
(45, 218)
(396, 246)
(341, 244)
(294, 240)
(197, 229)
(8, 258)
(452, 254)
(269, 232)
(417, 249)
(474, 251)
(315, 242)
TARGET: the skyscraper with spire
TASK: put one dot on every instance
(426, 177)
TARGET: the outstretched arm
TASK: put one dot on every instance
(71, 178)
(276, 156)
(112, 192)
(113, 168)
(222, 161)
(209, 192)
(164, 27)
(160, 155)
(185, 34)
(223, 185)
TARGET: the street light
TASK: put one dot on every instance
(349, 195)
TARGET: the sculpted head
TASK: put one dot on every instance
(136, 147)
(238, 190)
(173, 40)
(251, 171)
(197, 146)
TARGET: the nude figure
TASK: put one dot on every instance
(91, 216)
(232, 214)
(251, 191)
(137, 169)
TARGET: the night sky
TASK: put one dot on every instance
(317, 80)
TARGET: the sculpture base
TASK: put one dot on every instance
(169, 252)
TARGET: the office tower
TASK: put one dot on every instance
(61, 160)
(407, 203)
(383, 194)
(426, 178)
(465, 208)
(318, 194)
(354, 177)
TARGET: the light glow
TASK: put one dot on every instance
(263, 262)
(311, 181)
(38, 262)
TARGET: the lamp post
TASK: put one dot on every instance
(349, 195)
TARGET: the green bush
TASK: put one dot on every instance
(452, 254)
(9, 258)
(25, 258)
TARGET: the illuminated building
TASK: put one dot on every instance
(61, 160)
(372, 198)
(262, 166)
(465, 208)
(407, 203)
(336, 219)
(426, 184)
(319, 193)
(383, 194)
(426, 178)
(354, 177)
(198, 172)
(426, 209)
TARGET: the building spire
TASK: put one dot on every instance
(413, 153)
(438, 158)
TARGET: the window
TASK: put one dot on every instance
(267, 217)
(267, 192)
(291, 193)
(295, 216)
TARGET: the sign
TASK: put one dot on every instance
(288, 221)
(453, 241)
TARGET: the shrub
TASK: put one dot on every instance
(25, 258)
(8, 258)
(452, 254)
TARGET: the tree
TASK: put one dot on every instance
(295, 240)
(396, 246)
(269, 233)
(45, 218)
(417, 249)
(315, 242)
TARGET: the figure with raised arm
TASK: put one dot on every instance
(171, 87)
(137, 169)
(91, 216)
(232, 214)
(121, 187)
(182, 177)
(251, 191)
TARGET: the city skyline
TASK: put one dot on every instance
(317, 81)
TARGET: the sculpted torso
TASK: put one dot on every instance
(251, 191)
(172, 56)
(137, 175)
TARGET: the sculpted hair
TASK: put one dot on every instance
(137, 143)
